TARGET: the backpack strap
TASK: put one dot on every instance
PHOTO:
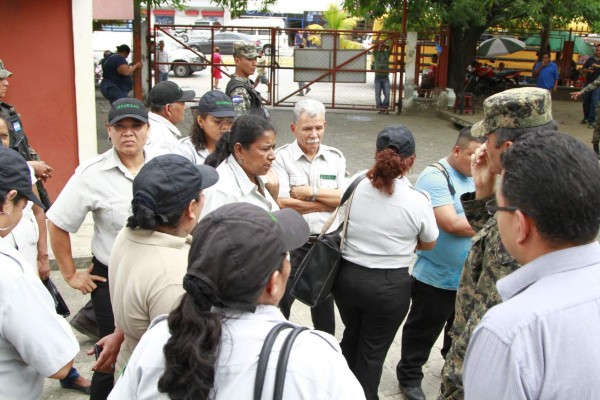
(282, 363)
(444, 172)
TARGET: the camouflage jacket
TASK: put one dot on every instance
(252, 100)
(487, 262)
(591, 86)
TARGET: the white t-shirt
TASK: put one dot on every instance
(163, 57)
(316, 367)
(35, 342)
(383, 230)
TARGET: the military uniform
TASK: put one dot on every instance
(487, 262)
(244, 87)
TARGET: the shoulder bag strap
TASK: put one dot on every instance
(284, 355)
(263, 359)
(349, 191)
(444, 172)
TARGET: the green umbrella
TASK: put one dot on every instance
(499, 46)
(557, 39)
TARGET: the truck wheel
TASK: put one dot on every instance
(181, 70)
(267, 48)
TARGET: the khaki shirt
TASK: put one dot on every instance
(102, 186)
(327, 170)
(146, 271)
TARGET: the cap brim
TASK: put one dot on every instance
(223, 114)
(33, 198)
(293, 227)
(479, 129)
(134, 116)
(188, 95)
(210, 176)
(5, 74)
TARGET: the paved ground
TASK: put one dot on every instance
(354, 133)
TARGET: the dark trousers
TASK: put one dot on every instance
(372, 304)
(431, 311)
(102, 383)
(323, 315)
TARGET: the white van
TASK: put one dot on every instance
(258, 28)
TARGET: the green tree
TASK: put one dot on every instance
(468, 19)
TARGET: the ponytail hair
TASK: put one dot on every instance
(146, 216)
(193, 348)
(388, 166)
(245, 130)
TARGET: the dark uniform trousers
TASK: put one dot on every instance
(323, 315)
(432, 309)
(372, 304)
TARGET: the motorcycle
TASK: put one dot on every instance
(482, 79)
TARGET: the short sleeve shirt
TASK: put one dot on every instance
(326, 171)
(102, 186)
(186, 148)
(35, 342)
(442, 266)
(383, 230)
(163, 134)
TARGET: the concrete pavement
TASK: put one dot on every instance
(354, 133)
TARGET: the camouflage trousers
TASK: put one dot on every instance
(596, 134)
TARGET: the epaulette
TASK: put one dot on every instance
(90, 162)
(281, 148)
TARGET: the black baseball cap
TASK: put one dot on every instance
(238, 246)
(216, 103)
(167, 92)
(127, 108)
(397, 137)
(15, 175)
(169, 182)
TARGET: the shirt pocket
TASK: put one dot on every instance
(327, 180)
(298, 180)
(119, 211)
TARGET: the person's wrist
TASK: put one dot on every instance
(315, 193)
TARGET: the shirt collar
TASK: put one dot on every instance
(159, 119)
(242, 179)
(297, 152)
(113, 161)
(549, 264)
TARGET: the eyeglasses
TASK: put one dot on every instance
(491, 208)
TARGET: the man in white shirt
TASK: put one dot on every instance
(541, 342)
(167, 107)
(163, 57)
(310, 179)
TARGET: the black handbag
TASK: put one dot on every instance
(59, 302)
(316, 274)
(284, 354)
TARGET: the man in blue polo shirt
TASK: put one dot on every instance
(437, 272)
(546, 73)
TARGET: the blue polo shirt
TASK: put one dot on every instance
(547, 76)
(442, 266)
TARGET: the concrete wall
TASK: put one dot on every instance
(38, 48)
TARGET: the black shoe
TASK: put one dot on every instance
(307, 90)
(584, 121)
(74, 386)
(300, 94)
(591, 126)
(85, 326)
(412, 392)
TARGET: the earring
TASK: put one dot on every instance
(240, 161)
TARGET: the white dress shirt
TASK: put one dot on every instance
(542, 342)
(163, 134)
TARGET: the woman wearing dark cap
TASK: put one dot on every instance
(116, 74)
(244, 156)
(388, 220)
(237, 272)
(213, 116)
(149, 257)
(101, 186)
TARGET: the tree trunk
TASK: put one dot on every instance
(463, 45)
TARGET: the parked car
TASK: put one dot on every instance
(223, 40)
(184, 60)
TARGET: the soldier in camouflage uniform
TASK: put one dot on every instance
(596, 123)
(507, 116)
(245, 98)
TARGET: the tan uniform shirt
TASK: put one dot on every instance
(146, 271)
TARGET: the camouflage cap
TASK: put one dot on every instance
(514, 108)
(245, 49)
(4, 73)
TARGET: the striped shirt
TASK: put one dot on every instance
(542, 342)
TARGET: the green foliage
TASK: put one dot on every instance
(177, 4)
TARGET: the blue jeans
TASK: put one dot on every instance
(382, 85)
(590, 100)
(164, 76)
(71, 377)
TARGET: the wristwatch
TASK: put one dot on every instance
(315, 193)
